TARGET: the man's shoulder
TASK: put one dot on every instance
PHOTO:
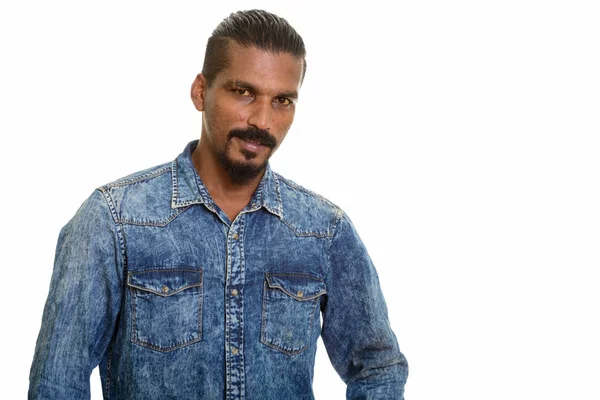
(144, 175)
(299, 193)
(142, 197)
(309, 213)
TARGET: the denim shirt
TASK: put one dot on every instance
(154, 283)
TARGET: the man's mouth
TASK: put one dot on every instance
(254, 142)
(252, 145)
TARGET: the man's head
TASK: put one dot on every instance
(253, 68)
(252, 28)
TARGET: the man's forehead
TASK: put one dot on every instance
(277, 70)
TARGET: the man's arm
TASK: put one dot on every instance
(356, 331)
(82, 305)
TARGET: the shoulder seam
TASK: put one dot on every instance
(336, 222)
(118, 227)
(307, 191)
(149, 175)
(339, 214)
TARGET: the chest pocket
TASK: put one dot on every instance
(290, 304)
(166, 307)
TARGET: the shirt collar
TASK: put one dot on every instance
(188, 187)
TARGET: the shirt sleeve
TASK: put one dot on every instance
(82, 306)
(356, 331)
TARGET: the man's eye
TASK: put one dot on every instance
(284, 101)
(243, 92)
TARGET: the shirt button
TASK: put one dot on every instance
(236, 236)
(300, 294)
(234, 350)
(165, 289)
(234, 292)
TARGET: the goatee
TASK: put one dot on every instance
(242, 173)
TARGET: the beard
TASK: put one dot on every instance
(240, 172)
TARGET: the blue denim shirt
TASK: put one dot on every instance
(173, 300)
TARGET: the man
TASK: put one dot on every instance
(206, 277)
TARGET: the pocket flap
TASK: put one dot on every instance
(165, 282)
(299, 286)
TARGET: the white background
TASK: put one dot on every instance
(460, 136)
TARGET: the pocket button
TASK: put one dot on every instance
(290, 310)
(166, 307)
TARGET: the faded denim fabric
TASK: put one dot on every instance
(153, 283)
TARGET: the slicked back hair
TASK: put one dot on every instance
(257, 28)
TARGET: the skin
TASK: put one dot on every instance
(258, 89)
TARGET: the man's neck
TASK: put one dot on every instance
(217, 181)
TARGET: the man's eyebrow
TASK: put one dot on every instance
(242, 84)
(292, 95)
(247, 85)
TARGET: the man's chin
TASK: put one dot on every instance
(242, 171)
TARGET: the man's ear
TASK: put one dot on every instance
(199, 88)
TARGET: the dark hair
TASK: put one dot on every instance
(257, 28)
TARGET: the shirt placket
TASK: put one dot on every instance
(234, 311)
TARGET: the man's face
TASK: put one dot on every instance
(249, 108)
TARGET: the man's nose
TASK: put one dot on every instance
(260, 115)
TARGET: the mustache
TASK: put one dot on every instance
(254, 135)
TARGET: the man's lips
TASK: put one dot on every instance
(251, 145)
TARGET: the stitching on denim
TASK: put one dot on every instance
(119, 220)
(263, 327)
(134, 337)
(226, 307)
(278, 191)
(123, 245)
(162, 294)
(285, 351)
(259, 193)
(296, 186)
(107, 383)
(111, 204)
(188, 203)
(145, 289)
(167, 349)
(264, 321)
(317, 278)
(336, 223)
(242, 352)
(200, 307)
(305, 233)
(166, 269)
(120, 238)
(175, 187)
(175, 202)
(242, 236)
(125, 182)
(118, 228)
(293, 295)
(317, 196)
(160, 224)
